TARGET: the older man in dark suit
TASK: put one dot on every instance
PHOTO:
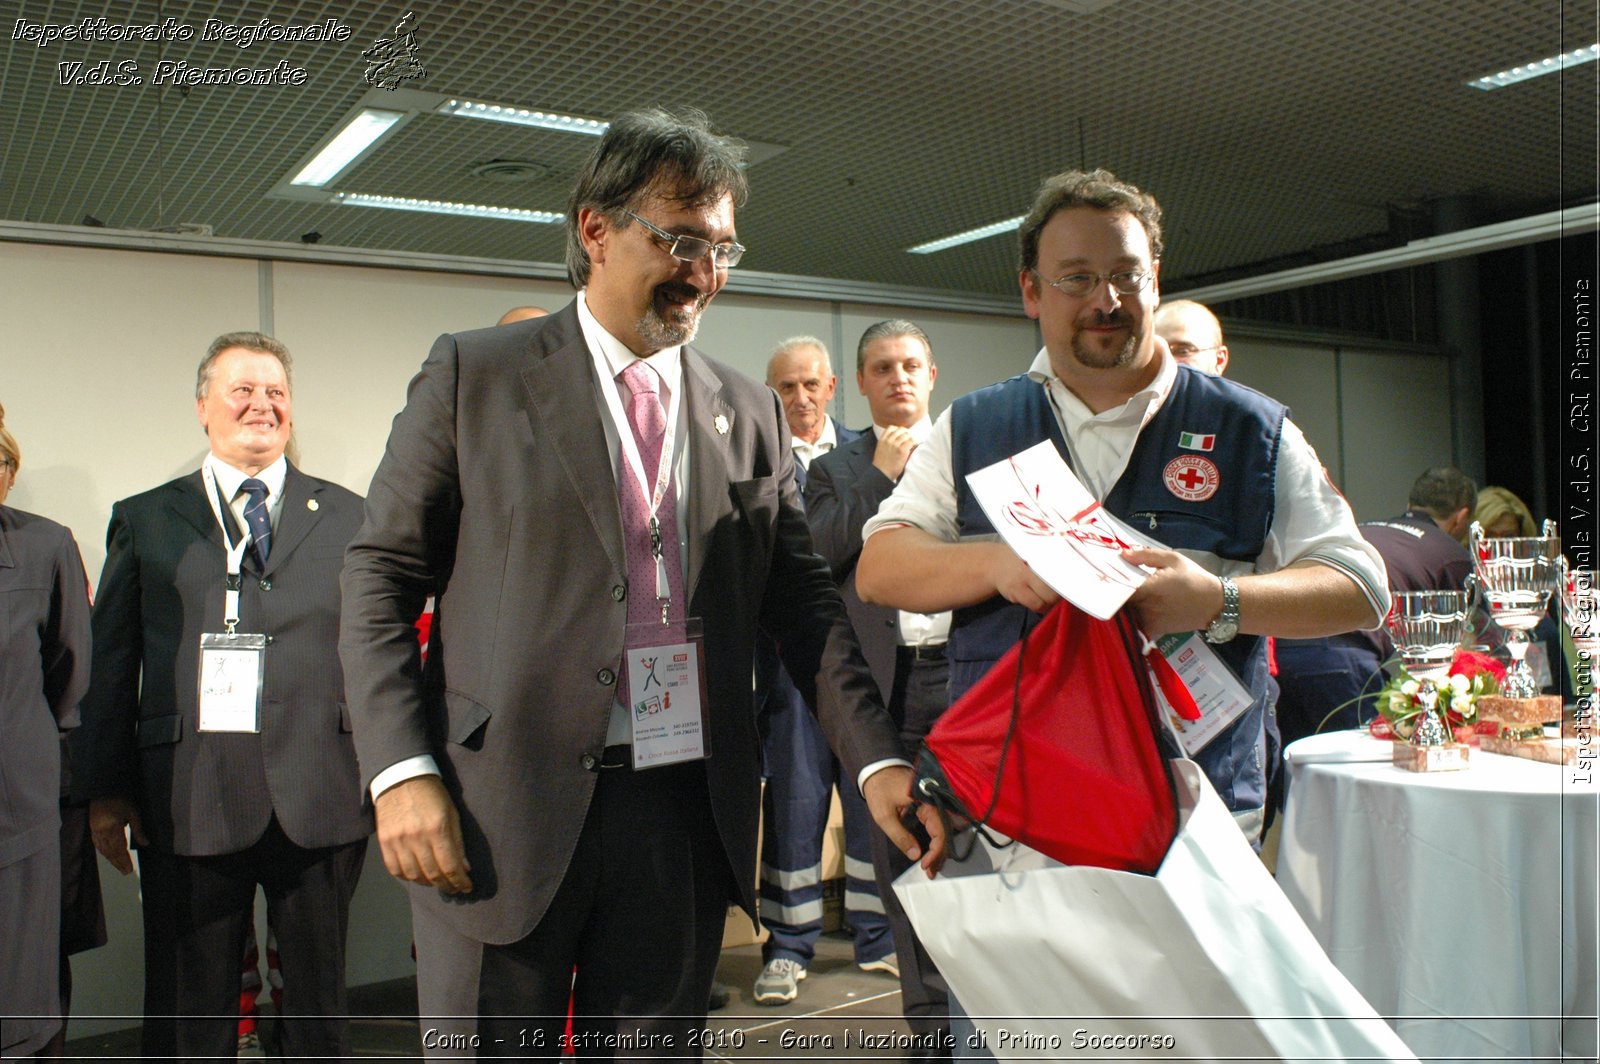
(895, 370)
(215, 727)
(582, 493)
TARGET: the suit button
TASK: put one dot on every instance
(266, 583)
(606, 677)
(588, 761)
(619, 592)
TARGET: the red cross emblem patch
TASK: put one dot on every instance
(1191, 477)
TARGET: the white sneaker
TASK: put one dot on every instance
(250, 1047)
(889, 964)
(779, 982)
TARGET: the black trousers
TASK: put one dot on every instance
(195, 913)
(920, 695)
(631, 938)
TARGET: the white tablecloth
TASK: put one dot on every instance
(1461, 904)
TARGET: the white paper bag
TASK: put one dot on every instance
(1205, 960)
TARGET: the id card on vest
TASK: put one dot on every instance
(231, 668)
(1217, 692)
(667, 693)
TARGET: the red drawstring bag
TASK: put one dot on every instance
(1057, 747)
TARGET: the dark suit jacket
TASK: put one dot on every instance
(774, 690)
(497, 494)
(44, 668)
(843, 492)
(205, 793)
(841, 436)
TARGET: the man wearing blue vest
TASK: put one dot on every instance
(1260, 542)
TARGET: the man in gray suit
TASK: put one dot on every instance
(578, 491)
(214, 727)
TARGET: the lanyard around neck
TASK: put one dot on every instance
(235, 551)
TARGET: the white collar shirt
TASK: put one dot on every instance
(806, 453)
(1102, 443)
(228, 479)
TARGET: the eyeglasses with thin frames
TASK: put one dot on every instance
(692, 248)
(1126, 282)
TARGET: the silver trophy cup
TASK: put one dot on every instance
(1517, 576)
(1580, 604)
(1427, 627)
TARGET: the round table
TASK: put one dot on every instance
(1461, 904)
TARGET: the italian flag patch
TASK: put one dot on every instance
(1196, 441)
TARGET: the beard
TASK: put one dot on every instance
(1089, 354)
(676, 326)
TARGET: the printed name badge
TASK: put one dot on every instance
(1217, 692)
(232, 662)
(666, 695)
(231, 668)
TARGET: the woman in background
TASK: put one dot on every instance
(1502, 514)
(44, 670)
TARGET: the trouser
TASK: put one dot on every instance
(639, 915)
(801, 773)
(920, 695)
(195, 913)
(30, 936)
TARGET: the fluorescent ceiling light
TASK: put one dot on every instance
(469, 210)
(357, 136)
(1536, 68)
(521, 116)
(981, 233)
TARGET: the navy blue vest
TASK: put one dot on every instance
(1231, 522)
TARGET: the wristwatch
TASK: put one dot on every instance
(1226, 625)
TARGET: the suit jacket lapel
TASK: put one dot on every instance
(860, 453)
(708, 458)
(188, 500)
(559, 378)
(296, 517)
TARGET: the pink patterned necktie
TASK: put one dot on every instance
(648, 421)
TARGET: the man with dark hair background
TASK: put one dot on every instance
(895, 370)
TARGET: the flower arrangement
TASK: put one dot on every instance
(1472, 675)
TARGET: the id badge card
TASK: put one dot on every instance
(231, 668)
(667, 693)
(1217, 692)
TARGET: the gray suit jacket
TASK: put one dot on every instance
(44, 668)
(843, 492)
(203, 793)
(497, 495)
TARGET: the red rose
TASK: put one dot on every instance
(1470, 663)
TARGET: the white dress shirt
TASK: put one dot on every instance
(919, 629)
(806, 453)
(228, 479)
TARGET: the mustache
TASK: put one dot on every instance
(678, 290)
(1100, 318)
